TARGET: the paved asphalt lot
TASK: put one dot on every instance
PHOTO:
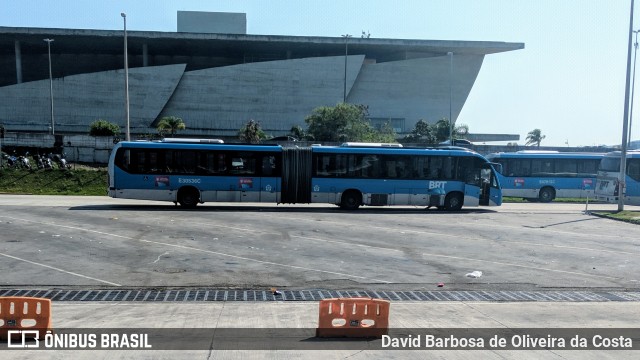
(98, 242)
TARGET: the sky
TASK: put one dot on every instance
(568, 81)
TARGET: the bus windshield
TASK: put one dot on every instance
(610, 164)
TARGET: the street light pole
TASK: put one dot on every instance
(625, 121)
(53, 124)
(633, 84)
(346, 53)
(450, 54)
(126, 76)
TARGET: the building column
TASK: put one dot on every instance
(18, 62)
(145, 55)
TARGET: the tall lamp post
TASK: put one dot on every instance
(633, 84)
(53, 124)
(346, 53)
(450, 55)
(625, 121)
(126, 76)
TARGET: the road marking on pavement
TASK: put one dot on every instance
(337, 242)
(202, 250)
(454, 257)
(422, 232)
(60, 270)
(261, 261)
(521, 266)
(463, 258)
(458, 257)
(159, 256)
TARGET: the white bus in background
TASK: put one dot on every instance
(608, 175)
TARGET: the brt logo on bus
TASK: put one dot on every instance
(437, 184)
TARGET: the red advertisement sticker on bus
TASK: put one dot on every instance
(162, 181)
(246, 183)
(518, 182)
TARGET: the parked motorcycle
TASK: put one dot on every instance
(61, 161)
(23, 162)
(48, 164)
(37, 159)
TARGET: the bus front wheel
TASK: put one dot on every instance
(188, 197)
(546, 194)
(350, 200)
(453, 202)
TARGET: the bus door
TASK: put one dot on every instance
(490, 193)
(632, 193)
(270, 178)
(470, 171)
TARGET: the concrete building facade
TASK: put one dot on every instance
(216, 78)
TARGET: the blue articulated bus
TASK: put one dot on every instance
(190, 173)
(607, 185)
(546, 175)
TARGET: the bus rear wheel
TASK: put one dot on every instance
(350, 200)
(546, 194)
(188, 197)
(453, 202)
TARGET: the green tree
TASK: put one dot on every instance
(103, 128)
(251, 132)
(442, 132)
(171, 124)
(385, 134)
(422, 133)
(535, 137)
(345, 122)
(298, 132)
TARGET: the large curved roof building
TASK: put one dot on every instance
(217, 78)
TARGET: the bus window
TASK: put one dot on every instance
(519, 167)
(186, 161)
(610, 164)
(448, 168)
(541, 167)
(154, 166)
(321, 167)
(398, 167)
(138, 161)
(588, 168)
(566, 168)
(468, 170)
(435, 167)
(123, 159)
(634, 169)
(420, 167)
(270, 166)
(243, 163)
(370, 166)
(212, 163)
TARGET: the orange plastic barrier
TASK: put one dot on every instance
(353, 317)
(24, 313)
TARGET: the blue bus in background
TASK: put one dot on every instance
(189, 173)
(608, 178)
(546, 175)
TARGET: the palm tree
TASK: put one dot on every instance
(171, 124)
(535, 137)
